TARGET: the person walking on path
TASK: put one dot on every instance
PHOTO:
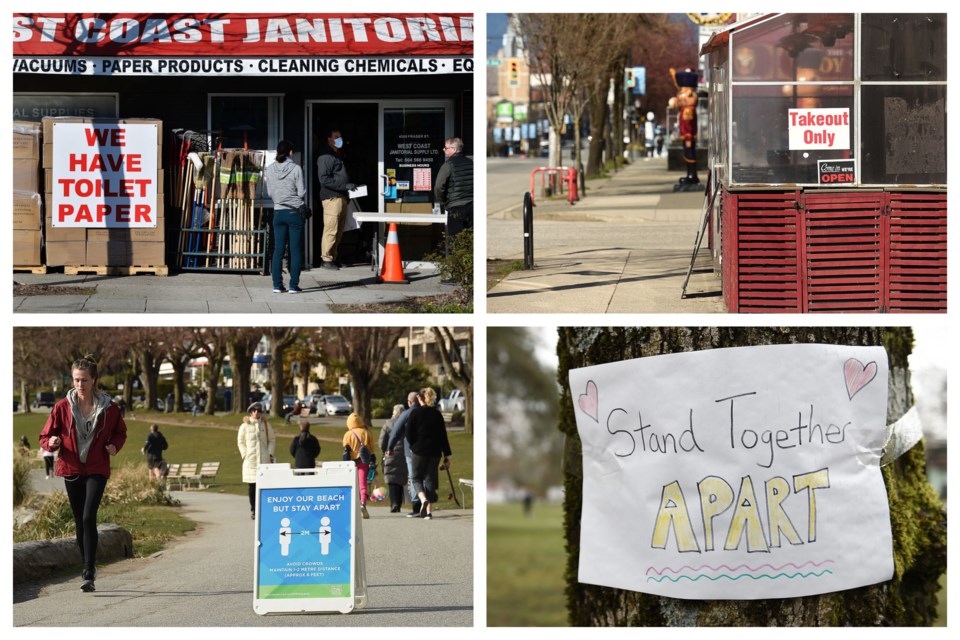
(358, 437)
(334, 185)
(454, 188)
(256, 441)
(86, 428)
(284, 180)
(305, 447)
(49, 457)
(398, 434)
(427, 435)
(154, 447)
(394, 465)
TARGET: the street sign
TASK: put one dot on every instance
(308, 542)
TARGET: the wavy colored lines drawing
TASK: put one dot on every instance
(731, 570)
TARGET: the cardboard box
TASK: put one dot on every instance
(27, 211)
(26, 140)
(63, 253)
(26, 247)
(128, 235)
(126, 253)
(26, 175)
(60, 234)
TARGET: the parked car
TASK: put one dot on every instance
(453, 401)
(334, 406)
(287, 406)
(187, 403)
(44, 399)
(314, 402)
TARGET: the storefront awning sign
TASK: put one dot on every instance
(742, 473)
(105, 175)
(818, 129)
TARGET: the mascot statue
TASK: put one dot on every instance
(686, 102)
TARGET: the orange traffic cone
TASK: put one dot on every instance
(392, 270)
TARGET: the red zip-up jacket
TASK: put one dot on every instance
(110, 429)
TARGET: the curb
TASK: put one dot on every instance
(38, 559)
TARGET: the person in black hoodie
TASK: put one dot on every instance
(305, 447)
(284, 180)
(427, 435)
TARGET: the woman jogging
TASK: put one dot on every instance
(86, 428)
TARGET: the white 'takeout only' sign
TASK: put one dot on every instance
(105, 175)
(742, 473)
(819, 128)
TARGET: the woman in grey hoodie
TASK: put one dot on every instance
(284, 180)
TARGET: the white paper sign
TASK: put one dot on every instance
(819, 128)
(105, 175)
(735, 473)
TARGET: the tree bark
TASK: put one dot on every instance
(280, 338)
(462, 374)
(918, 518)
(598, 116)
(241, 344)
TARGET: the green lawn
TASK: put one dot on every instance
(525, 563)
(214, 439)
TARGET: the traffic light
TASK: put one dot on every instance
(514, 72)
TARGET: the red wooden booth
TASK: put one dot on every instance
(829, 160)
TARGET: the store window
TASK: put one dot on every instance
(412, 152)
(254, 118)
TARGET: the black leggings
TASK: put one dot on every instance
(85, 493)
(252, 494)
(48, 464)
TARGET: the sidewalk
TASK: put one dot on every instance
(419, 573)
(193, 292)
(625, 248)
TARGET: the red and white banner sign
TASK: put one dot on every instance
(819, 128)
(242, 34)
(105, 175)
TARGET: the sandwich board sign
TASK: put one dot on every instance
(743, 473)
(308, 551)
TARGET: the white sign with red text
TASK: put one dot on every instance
(105, 175)
(819, 129)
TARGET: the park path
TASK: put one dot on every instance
(419, 573)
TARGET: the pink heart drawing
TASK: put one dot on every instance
(588, 401)
(857, 376)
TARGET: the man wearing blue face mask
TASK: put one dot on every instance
(334, 184)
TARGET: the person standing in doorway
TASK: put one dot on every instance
(284, 180)
(454, 189)
(256, 441)
(86, 428)
(334, 185)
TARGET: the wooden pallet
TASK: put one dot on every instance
(39, 269)
(131, 270)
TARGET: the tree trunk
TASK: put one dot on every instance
(24, 396)
(149, 373)
(214, 367)
(618, 112)
(241, 360)
(918, 519)
(598, 116)
(179, 367)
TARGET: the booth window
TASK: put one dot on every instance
(900, 47)
(793, 47)
(908, 139)
(255, 116)
(760, 138)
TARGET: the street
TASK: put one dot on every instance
(507, 180)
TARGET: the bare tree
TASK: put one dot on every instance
(241, 345)
(280, 339)
(212, 343)
(364, 351)
(459, 368)
(178, 348)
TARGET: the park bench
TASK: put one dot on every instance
(188, 472)
(465, 483)
(173, 473)
(208, 472)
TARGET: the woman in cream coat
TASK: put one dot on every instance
(256, 441)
